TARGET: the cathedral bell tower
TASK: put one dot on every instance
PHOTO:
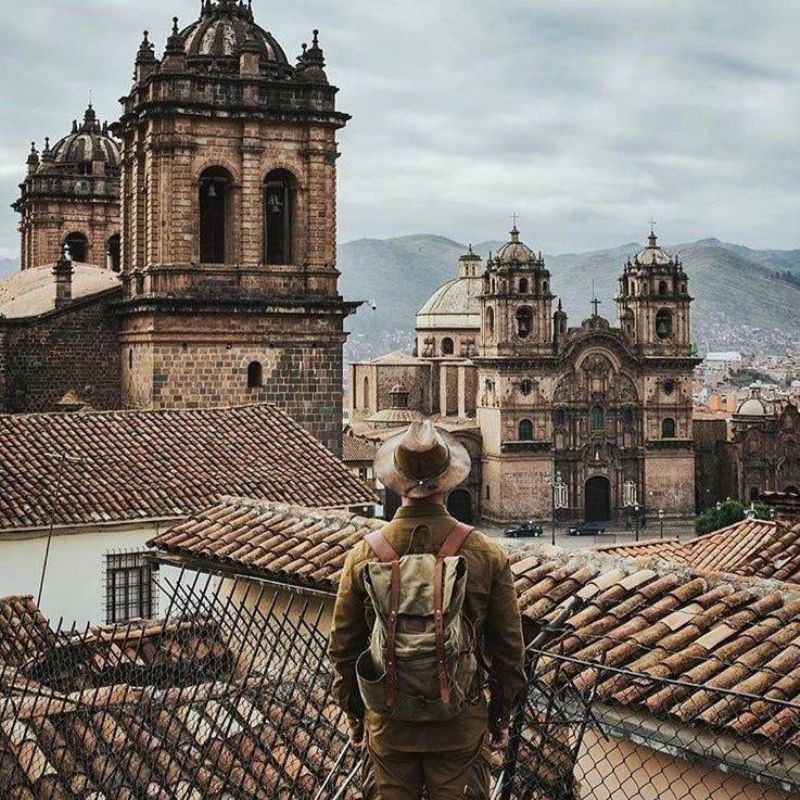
(229, 224)
(653, 303)
(516, 318)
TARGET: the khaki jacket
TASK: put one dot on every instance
(491, 604)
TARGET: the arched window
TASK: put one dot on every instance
(628, 416)
(448, 348)
(215, 189)
(113, 253)
(526, 387)
(490, 323)
(255, 375)
(664, 324)
(524, 322)
(365, 396)
(668, 428)
(662, 288)
(78, 247)
(279, 208)
(597, 418)
(560, 417)
(523, 286)
(628, 323)
(130, 358)
(755, 494)
(545, 287)
(525, 431)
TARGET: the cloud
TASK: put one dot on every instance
(585, 117)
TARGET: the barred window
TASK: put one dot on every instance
(129, 587)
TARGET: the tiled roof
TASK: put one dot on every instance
(155, 464)
(289, 544)
(761, 548)
(710, 633)
(780, 559)
(212, 741)
(24, 631)
(706, 630)
(357, 448)
(647, 548)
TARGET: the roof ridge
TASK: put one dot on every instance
(120, 412)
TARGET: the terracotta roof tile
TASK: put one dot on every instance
(358, 448)
(762, 548)
(146, 464)
(283, 542)
(709, 631)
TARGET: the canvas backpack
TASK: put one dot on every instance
(421, 664)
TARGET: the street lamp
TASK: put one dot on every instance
(560, 498)
(661, 516)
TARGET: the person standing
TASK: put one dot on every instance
(426, 621)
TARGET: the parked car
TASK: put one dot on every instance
(524, 530)
(587, 529)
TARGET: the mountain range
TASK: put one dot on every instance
(744, 299)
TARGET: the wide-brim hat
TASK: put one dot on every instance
(422, 461)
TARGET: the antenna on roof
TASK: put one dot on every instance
(63, 458)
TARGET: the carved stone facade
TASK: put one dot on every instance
(70, 197)
(766, 449)
(229, 225)
(607, 408)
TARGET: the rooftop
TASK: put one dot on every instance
(137, 465)
(32, 292)
(761, 548)
(653, 618)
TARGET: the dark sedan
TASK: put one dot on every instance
(587, 529)
(524, 530)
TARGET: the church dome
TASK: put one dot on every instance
(455, 305)
(514, 252)
(754, 406)
(653, 255)
(224, 29)
(88, 143)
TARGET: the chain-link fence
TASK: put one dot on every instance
(229, 697)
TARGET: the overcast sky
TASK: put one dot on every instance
(585, 117)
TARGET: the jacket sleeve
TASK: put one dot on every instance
(504, 647)
(349, 638)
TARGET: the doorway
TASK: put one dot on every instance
(598, 499)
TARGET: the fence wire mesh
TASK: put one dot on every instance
(228, 696)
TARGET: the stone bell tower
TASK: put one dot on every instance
(70, 197)
(229, 224)
(516, 302)
(653, 303)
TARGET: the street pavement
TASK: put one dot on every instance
(615, 534)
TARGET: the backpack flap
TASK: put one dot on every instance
(431, 675)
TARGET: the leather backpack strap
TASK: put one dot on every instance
(438, 618)
(381, 547)
(455, 540)
(391, 636)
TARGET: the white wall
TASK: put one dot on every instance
(74, 585)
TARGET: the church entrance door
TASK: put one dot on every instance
(598, 499)
(459, 504)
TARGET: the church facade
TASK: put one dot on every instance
(604, 411)
(214, 197)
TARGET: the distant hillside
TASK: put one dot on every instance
(741, 301)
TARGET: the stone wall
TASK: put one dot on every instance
(70, 349)
(303, 379)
